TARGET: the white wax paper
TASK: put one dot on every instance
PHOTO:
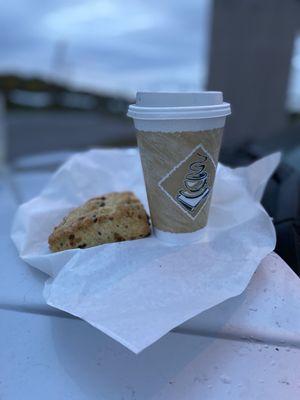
(139, 290)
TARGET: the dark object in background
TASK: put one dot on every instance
(251, 43)
(282, 202)
(38, 94)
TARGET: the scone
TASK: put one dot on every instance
(113, 217)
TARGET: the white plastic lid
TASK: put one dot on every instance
(178, 105)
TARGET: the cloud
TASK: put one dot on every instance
(293, 98)
(109, 44)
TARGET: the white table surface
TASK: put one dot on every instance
(245, 348)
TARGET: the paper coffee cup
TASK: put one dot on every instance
(179, 137)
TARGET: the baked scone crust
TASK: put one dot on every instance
(113, 217)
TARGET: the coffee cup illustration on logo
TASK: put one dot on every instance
(189, 183)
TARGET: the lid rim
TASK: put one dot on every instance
(137, 108)
(188, 112)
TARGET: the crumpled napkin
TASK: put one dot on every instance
(137, 291)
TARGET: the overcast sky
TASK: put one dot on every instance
(293, 99)
(114, 45)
